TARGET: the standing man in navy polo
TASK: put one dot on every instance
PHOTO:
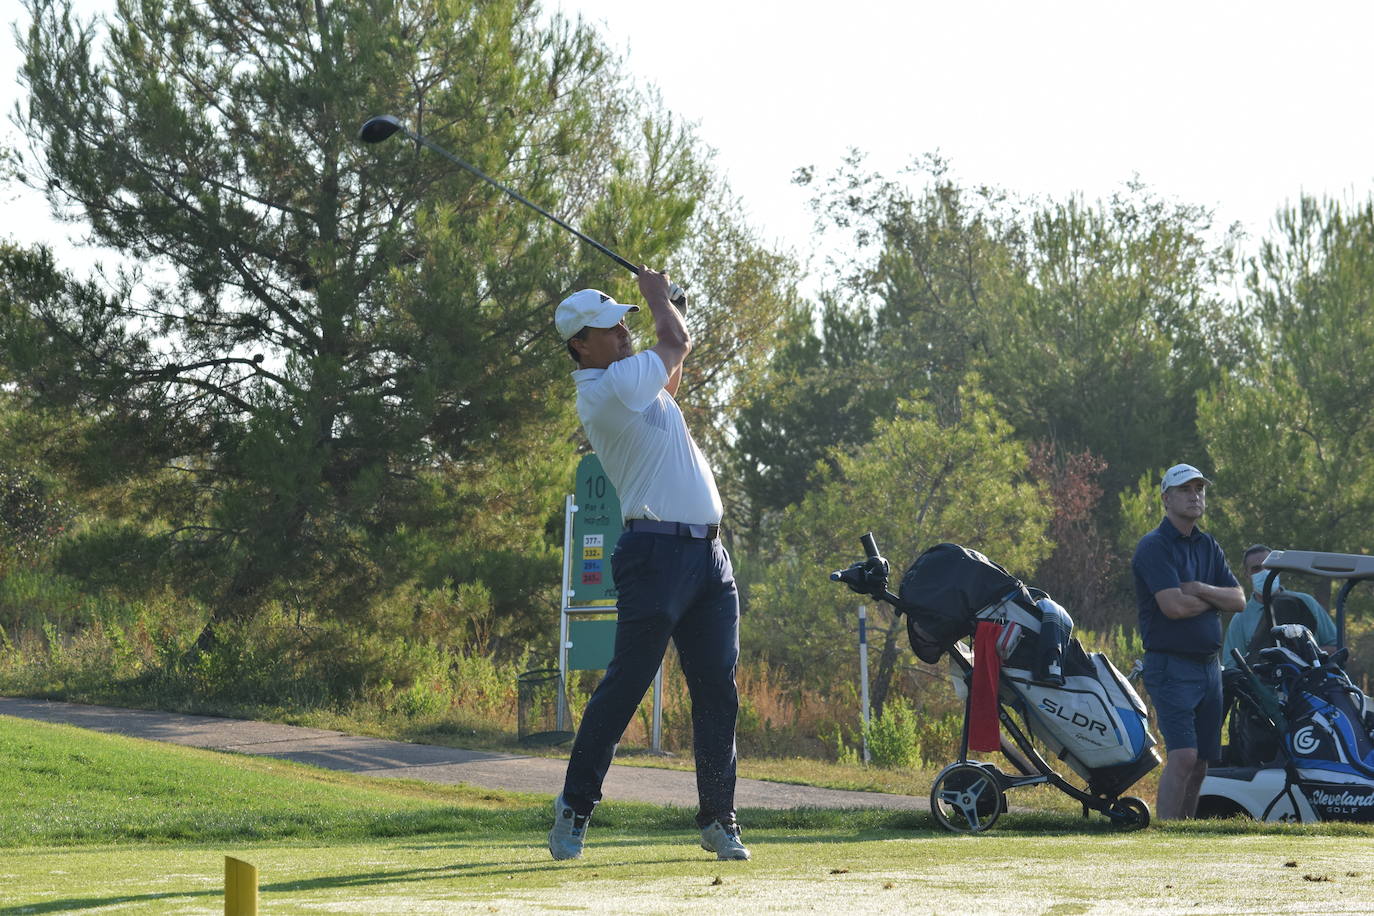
(1181, 583)
(673, 577)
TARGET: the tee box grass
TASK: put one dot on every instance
(103, 823)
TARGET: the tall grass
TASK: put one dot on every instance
(57, 642)
(285, 665)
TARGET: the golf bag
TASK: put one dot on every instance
(1316, 718)
(1076, 703)
(1253, 706)
(1326, 721)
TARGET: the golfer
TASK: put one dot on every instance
(672, 574)
(1181, 583)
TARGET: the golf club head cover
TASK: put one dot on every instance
(1055, 627)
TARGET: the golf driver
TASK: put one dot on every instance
(377, 129)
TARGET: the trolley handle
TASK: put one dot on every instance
(870, 545)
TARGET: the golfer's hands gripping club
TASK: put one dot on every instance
(676, 294)
(656, 283)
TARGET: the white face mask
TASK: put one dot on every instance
(1258, 579)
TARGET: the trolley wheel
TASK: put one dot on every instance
(1129, 813)
(966, 798)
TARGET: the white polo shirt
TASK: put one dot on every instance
(640, 436)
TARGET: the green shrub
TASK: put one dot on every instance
(484, 688)
(894, 737)
(424, 700)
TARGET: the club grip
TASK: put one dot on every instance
(870, 545)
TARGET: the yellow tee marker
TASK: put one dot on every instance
(240, 888)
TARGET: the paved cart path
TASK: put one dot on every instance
(377, 757)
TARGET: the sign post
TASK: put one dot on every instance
(586, 638)
(595, 527)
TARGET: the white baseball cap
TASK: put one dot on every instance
(588, 308)
(1180, 474)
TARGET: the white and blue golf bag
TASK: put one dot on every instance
(1076, 704)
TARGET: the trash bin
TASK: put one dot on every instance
(538, 694)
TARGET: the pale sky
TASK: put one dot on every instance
(1235, 106)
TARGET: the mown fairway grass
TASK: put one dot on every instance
(640, 871)
(100, 822)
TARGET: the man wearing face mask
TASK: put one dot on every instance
(1182, 581)
(1240, 633)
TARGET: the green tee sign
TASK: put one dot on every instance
(595, 529)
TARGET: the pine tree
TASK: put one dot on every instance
(314, 344)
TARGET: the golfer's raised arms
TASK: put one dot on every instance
(674, 343)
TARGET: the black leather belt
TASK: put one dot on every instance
(681, 529)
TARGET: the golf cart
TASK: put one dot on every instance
(1301, 733)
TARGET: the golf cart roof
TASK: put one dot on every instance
(1327, 565)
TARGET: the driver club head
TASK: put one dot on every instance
(377, 129)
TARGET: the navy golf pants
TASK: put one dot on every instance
(668, 588)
